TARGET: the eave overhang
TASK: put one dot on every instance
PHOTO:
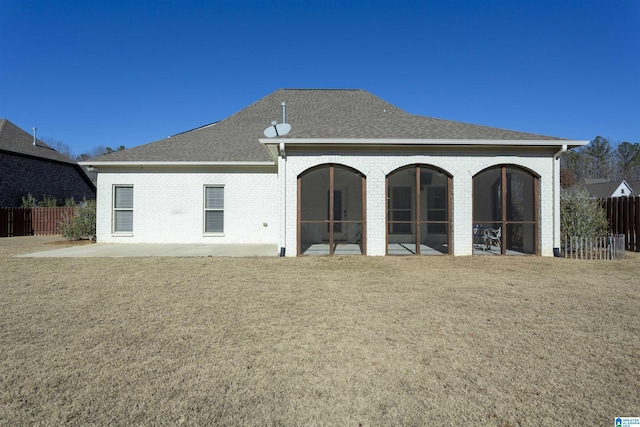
(120, 164)
(175, 165)
(273, 144)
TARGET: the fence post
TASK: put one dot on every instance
(571, 246)
(636, 235)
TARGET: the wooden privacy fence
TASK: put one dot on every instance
(38, 221)
(15, 222)
(46, 221)
(610, 247)
(623, 214)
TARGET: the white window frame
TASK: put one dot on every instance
(116, 209)
(210, 209)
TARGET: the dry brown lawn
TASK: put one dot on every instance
(516, 341)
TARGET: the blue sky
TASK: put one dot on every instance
(111, 73)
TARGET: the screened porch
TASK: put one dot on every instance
(331, 211)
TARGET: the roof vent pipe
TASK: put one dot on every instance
(34, 136)
(284, 112)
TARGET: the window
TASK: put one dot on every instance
(213, 209)
(123, 209)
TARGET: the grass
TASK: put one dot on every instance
(493, 341)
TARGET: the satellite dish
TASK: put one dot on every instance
(277, 130)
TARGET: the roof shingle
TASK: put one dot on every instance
(15, 140)
(312, 113)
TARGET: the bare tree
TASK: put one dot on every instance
(99, 151)
(60, 147)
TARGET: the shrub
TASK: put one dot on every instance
(48, 202)
(29, 201)
(81, 226)
(581, 216)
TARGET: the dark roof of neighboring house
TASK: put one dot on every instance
(312, 113)
(15, 140)
(600, 188)
(635, 187)
(589, 181)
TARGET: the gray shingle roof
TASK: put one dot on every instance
(600, 188)
(15, 140)
(635, 187)
(312, 113)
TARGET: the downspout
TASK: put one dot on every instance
(556, 201)
(282, 168)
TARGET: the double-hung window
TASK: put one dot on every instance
(213, 209)
(123, 209)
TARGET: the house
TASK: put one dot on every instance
(28, 165)
(601, 188)
(353, 174)
(634, 188)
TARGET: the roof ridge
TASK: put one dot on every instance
(320, 89)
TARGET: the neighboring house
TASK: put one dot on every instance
(600, 188)
(634, 187)
(28, 165)
(355, 174)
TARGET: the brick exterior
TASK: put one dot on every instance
(168, 206)
(20, 175)
(462, 167)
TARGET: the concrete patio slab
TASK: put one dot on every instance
(116, 250)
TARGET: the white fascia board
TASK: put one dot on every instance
(438, 142)
(89, 163)
(272, 148)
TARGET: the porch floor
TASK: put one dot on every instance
(410, 249)
(493, 250)
(339, 249)
(354, 249)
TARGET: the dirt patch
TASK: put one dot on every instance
(318, 341)
(10, 246)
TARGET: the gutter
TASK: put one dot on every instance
(89, 163)
(556, 201)
(282, 169)
(437, 142)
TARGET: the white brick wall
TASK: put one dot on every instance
(375, 166)
(169, 207)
